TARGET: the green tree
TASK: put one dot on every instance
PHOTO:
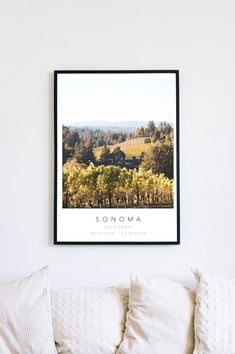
(147, 141)
(83, 153)
(140, 132)
(70, 137)
(155, 135)
(107, 181)
(105, 155)
(151, 127)
(159, 160)
(67, 153)
(117, 156)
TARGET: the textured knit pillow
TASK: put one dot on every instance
(214, 315)
(89, 320)
(160, 318)
(25, 316)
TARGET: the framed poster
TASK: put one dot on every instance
(116, 157)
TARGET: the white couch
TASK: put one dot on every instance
(92, 320)
(151, 317)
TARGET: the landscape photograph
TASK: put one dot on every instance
(118, 164)
(116, 151)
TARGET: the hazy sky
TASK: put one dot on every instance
(116, 97)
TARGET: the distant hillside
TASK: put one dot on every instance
(118, 126)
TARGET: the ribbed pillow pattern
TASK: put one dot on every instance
(215, 315)
(25, 316)
(89, 320)
(160, 318)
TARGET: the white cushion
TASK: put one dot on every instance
(25, 316)
(89, 320)
(160, 318)
(215, 315)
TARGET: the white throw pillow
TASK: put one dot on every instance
(89, 320)
(25, 316)
(160, 318)
(214, 315)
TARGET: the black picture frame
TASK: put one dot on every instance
(57, 73)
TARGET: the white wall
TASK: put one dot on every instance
(196, 37)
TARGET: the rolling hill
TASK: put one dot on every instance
(132, 147)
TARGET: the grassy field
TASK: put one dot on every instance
(132, 148)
